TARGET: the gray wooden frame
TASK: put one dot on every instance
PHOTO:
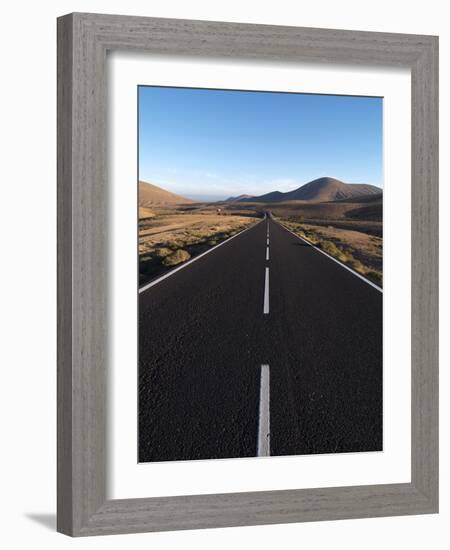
(83, 40)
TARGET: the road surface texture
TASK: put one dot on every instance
(263, 346)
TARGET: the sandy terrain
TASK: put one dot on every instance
(167, 239)
(366, 248)
(183, 229)
(360, 251)
(173, 229)
(150, 195)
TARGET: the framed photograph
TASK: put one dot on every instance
(247, 274)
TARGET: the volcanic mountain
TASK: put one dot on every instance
(151, 195)
(320, 190)
(238, 198)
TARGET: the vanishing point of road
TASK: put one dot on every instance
(263, 346)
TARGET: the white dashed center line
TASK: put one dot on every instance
(266, 292)
(264, 413)
(264, 392)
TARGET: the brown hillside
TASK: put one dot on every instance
(151, 195)
(321, 190)
(330, 189)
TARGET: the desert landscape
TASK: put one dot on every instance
(260, 274)
(173, 229)
(344, 220)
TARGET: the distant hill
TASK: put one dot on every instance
(366, 198)
(238, 198)
(373, 209)
(321, 190)
(151, 195)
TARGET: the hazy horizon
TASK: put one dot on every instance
(205, 197)
(212, 144)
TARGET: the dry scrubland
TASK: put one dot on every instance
(172, 229)
(360, 251)
(364, 215)
(351, 230)
(171, 236)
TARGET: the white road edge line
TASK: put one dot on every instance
(264, 413)
(266, 292)
(166, 275)
(267, 254)
(334, 260)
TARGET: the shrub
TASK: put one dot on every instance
(356, 265)
(330, 248)
(312, 238)
(177, 257)
(162, 252)
(376, 277)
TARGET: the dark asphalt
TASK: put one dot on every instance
(203, 338)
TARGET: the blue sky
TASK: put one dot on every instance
(210, 144)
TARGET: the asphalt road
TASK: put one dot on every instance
(251, 351)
